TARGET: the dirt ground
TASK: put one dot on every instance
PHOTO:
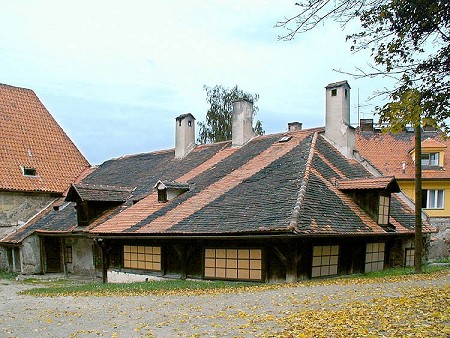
(243, 314)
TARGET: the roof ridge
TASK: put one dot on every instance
(302, 192)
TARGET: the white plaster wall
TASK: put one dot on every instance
(115, 276)
(30, 255)
(82, 255)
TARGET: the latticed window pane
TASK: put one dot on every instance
(374, 257)
(325, 260)
(142, 257)
(243, 264)
(383, 210)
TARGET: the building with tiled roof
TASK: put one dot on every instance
(393, 155)
(285, 206)
(38, 162)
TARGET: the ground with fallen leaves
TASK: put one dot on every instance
(402, 306)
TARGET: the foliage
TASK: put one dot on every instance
(408, 40)
(54, 288)
(7, 275)
(217, 126)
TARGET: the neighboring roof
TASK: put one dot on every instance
(387, 152)
(264, 187)
(379, 183)
(30, 138)
(99, 193)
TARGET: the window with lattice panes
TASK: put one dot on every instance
(68, 254)
(142, 257)
(374, 257)
(383, 210)
(409, 256)
(325, 260)
(242, 264)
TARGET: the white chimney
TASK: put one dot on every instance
(184, 135)
(337, 118)
(241, 127)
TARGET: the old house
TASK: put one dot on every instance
(38, 163)
(285, 206)
(393, 155)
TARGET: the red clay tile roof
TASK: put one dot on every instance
(386, 183)
(387, 152)
(31, 138)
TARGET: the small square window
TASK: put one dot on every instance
(333, 92)
(29, 171)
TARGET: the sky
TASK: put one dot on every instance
(115, 74)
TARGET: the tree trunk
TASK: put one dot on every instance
(418, 200)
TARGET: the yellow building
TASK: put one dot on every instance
(393, 155)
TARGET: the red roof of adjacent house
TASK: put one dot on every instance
(385, 183)
(392, 154)
(35, 152)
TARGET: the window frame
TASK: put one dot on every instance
(384, 206)
(142, 257)
(438, 196)
(375, 256)
(327, 262)
(240, 263)
(430, 162)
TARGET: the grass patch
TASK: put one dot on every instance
(8, 275)
(63, 287)
(174, 286)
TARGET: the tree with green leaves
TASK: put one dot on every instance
(217, 126)
(409, 41)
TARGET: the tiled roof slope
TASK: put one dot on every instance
(387, 152)
(31, 138)
(264, 187)
(255, 189)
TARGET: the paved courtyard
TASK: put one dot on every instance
(256, 312)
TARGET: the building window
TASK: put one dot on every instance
(333, 92)
(432, 199)
(29, 171)
(68, 254)
(409, 256)
(429, 159)
(243, 264)
(162, 195)
(383, 210)
(142, 257)
(325, 260)
(374, 257)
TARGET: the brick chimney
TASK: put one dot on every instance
(241, 129)
(337, 118)
(184, 135)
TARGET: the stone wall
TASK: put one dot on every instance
(82, 255)
(16, 208)
(440, 241)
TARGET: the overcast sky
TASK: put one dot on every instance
(115, 74)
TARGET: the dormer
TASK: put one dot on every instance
(373, 195)
(93, 200)
(432, 157)
(168, 190)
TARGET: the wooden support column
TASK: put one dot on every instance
(183, 252)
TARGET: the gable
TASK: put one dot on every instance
(36, 154)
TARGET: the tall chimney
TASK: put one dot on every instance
(337, 118)
(184, 135)
(241, 128)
